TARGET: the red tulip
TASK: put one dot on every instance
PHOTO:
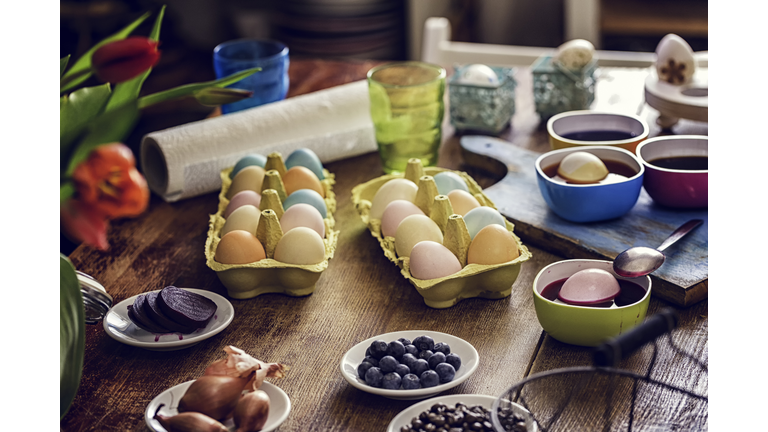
(124, 59)
(109, 182)
(84, 223)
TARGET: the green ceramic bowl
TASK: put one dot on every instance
(584, 325)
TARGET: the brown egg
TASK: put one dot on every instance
(492, 245)
(239, 247)
(249, 178)
(300, 177)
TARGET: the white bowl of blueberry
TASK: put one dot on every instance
(413, 364)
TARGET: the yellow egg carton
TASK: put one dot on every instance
(268, 275)
(473, 280)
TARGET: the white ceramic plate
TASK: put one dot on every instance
(409, 413)
(469, 362)
(120, 328)
(279, 406)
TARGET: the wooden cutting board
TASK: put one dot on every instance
(682, 279)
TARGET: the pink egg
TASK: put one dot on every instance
(242, 198)
(394, 213)
(432, 260)
(303, 215)
(589, 287)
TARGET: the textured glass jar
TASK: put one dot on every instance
(557, 89)
(482, 108)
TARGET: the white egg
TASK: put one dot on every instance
(674, 60)
(582, 167)
(395, 189)
(575, 54)
(479, 75)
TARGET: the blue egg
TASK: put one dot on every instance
(306, 158)
(447, 181)
(480, 217)
(248, 160)
(306, 196)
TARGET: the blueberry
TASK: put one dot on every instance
(378, 349)
(429, 378)
(408, 359)
(435, 359)
(402, 370)
(442, 347)
(388, 364)
(411, 382)
(454, 360)
(368, 352)
(411, 348)
(362, 368)
(391, 381)
(445, 372)
(374, 377)
(419, 367)
(404, 341)
(371, 360)
(424, 343)
(395, 349)
(425, 354)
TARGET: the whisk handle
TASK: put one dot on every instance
(610, 353)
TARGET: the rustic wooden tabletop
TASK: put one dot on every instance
(360, 295)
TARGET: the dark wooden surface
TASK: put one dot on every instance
(360, 295)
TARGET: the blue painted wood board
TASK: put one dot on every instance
(682, 279)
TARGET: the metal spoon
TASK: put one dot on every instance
(640, 260)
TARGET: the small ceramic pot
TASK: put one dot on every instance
(589, 128)
(682, 183)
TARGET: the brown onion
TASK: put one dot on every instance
(188, 422)
(252, 411)
(213, 395)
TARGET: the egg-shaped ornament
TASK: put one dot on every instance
(306, 158)
(432, 260)
(575, 54)
(395, 189)
(674, 60)
(478, 75)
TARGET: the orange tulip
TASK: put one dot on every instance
(124, 59)
(84, 224)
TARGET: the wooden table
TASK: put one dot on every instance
(360, 295)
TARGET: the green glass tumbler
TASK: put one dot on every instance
(407, 111)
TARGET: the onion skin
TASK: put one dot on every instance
(252, 411)
(189, 422)
(213, 395)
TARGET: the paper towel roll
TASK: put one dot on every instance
(185, 161)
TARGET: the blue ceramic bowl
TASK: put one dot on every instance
(609, 199)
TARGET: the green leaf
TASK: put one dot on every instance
(129, 90)
(191, 89)
(63, 66)
(111, 126)
(71, 335)
(80, 71)
(66, 191)
(78, 109)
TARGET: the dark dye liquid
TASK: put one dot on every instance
(630, 293)
(598, 135)
(689, 163)
(614, 167)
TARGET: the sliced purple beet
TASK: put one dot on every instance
(152, 310)
(137, 315)
(185, 307)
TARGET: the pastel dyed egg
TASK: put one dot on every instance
(242, 198)
(492, 245)
(674, 60)
(589, 287)
(478, 218)
(575, 54)
(432, 260)
(307, 196)
(395, 212)
(302, 215)
(479, 75)
(395, 189)
(248, 160)
(306, 158)
(447, 181)
(582, 168)
(300, 246)
(414, 229)
(239, 247)
(300, 177)
(462, 201)
(244, 218)
(249, 178)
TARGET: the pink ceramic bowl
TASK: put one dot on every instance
(676, 170)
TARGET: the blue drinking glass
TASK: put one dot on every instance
(268, 85)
